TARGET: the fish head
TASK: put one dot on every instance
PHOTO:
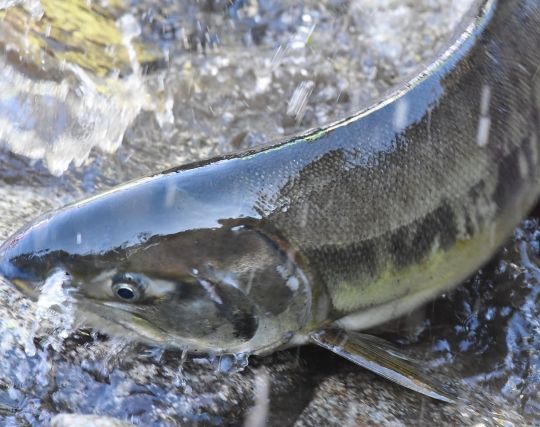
(223, 288)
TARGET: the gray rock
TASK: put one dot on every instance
(360, 399)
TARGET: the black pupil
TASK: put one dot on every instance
(125, 293)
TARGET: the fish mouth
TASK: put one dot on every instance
(28, 288)
(26, 283)
(116, 319)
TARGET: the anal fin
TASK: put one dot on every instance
(385, 359)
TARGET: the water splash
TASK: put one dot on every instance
(298, 102)
(180, 379)
(224, 363)
(60, 123)
(56, 105)
(54, 316)
(233, 363)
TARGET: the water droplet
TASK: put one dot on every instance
(485, 99)
(401, 115)
(180, 380)
(482, 135)
(484, 123)
(230, 363)
(298, 102)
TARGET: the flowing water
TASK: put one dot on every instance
(196, 79)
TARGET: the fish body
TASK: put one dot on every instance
(345, 226)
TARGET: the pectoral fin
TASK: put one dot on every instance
(384, 359)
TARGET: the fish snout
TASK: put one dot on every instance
(22, 279)
(7, 269)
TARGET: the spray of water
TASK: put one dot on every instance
(54, 316)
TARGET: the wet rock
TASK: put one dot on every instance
(361, 399)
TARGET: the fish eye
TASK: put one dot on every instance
(127, 288)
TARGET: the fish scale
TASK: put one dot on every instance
(407, 183)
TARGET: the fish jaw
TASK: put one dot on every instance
(25, 282)
(125, 323)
